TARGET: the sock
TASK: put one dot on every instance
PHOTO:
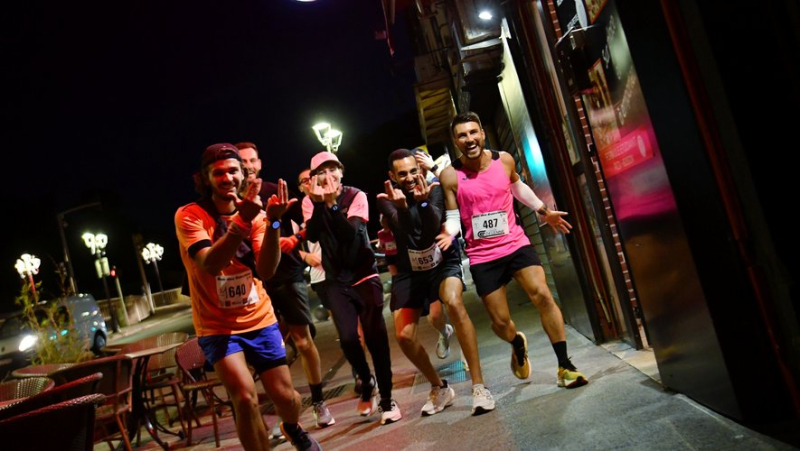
(291, 428)
(444, 384)
(517, 341)
(477, 386)
(561, 352)
(386, 404)
(316, 392)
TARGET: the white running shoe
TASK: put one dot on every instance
(443, 345)
(439, 398)
(482, 400)
(392, 414)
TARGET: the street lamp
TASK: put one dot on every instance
(28, 265)
(97, 244)
(61, 225)
(152, 253)
(329, 137)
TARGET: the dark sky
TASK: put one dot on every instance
(115, 101)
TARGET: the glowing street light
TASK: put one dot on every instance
(329, 137)
(152, 253)
(28, 265)
(97, 244)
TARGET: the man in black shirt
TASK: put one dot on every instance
(414, 211)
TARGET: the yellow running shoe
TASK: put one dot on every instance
(570, 377)
(520, 365)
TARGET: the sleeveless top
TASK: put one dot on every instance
(487, 212)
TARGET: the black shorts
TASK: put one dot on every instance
(417, 289)
(290, 301)
(490, 276)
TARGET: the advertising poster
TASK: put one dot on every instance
(615, 108)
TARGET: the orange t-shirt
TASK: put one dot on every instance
(233, 301)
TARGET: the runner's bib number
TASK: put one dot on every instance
(425, 260)
(236, 290)
(488, 225)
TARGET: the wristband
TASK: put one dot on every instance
(434, 168)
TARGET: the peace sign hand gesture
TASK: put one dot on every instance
(250, 204)
(279, 203)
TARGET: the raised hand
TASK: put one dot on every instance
(250, 204)
(327, 193)
(394, 195)
(279, 203)
(422, 190)
(424, 160)
(554, 219)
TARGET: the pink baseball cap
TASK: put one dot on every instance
(324, 157)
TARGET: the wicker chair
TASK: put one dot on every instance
(116, 385)
(192, 363)
(67, 425)
(60, 393)
(22, 388)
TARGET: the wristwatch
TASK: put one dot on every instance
(335, 207)
(434, 168)
(423, 204)
(542, 210)
(274, 223)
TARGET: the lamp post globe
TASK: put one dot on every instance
(328, 136)
(28, 265)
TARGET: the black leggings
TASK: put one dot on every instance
(364, 301)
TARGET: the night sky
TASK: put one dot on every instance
(113, 102)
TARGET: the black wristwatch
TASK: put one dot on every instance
(434, 168)
(335, 207)
(423, 204)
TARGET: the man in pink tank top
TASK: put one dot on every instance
(483, 184)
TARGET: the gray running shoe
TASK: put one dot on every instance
(322, 414)
(439, 398)
(482, 401)
(301, 440)
(276, 433)
(443, 345)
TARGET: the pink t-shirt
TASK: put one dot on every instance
(359, 208)
(487, 213)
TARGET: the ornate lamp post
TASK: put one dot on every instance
(329, 137)
(61, 225)
(28, 265)
(152, 253)
(97, 244)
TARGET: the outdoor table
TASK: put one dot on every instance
(140, 414)
(43, 370)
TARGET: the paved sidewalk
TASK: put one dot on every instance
(621, 408)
